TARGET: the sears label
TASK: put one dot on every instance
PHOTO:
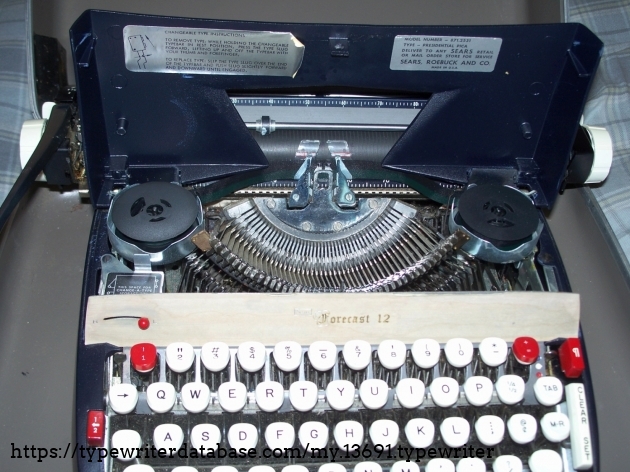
(211, 51)
(445, 53)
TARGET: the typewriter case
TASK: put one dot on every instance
(513, 126)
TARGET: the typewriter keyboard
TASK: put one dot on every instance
(497, 405)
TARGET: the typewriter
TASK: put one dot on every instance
(322, 248)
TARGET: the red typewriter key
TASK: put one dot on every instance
(571, 359)
(96, 428)
(143, 357)
(525, 350)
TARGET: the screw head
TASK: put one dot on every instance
(295, 197)
(337, 226)
(349, 197)
(271, 203)
(373, 203)
(307, 226)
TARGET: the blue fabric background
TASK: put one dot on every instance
(609, 106)
(15, 97)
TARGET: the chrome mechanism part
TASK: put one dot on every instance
(322, 238)
(376, 250)
(266, 126)
(321, 182)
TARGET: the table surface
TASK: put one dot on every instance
(42, 253)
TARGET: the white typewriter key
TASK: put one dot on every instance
(522, 428)
(478, 390)
(180, 357)
(167, 436)
(269, 396)
(555, 426)
(279, 435)
(232, 396)
(294, 468)
(440, 465)
(348, 433)
(303, 395)
(490, 430)
(458, 352)
(128, 441)
(243, 435)
(332, 468)
(581, 445)
(340, 394)
(545, 460)
(251, 356)
(215, 356)
(470, 464)
(287, 355)
(261, 468)
(373, 393)
(322, 355)
(206, 435)
(367, 467)
(357, 354)
(410, 392)
(384, 433)
(161, 396)
(123, 398)
(444, 391)
(140, 468)
(404, 466)
(425, 353)
(507, 464)
(420, 432)
(225, 468)
(548, 390)
(493, 351)
(195, 397)
(184, 468)
(510, 389)
(313, 435)
(392, 354)
(455, 431)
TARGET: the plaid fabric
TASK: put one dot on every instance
(609, 106)
(15, 94)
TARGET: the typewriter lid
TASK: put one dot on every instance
(520, 118)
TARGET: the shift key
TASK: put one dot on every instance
(581, 444)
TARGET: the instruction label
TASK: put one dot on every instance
(211, 51)
(128, 284)
(445, 53)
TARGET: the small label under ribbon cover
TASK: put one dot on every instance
(445, 53)
(134, 283)
(211, 51)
